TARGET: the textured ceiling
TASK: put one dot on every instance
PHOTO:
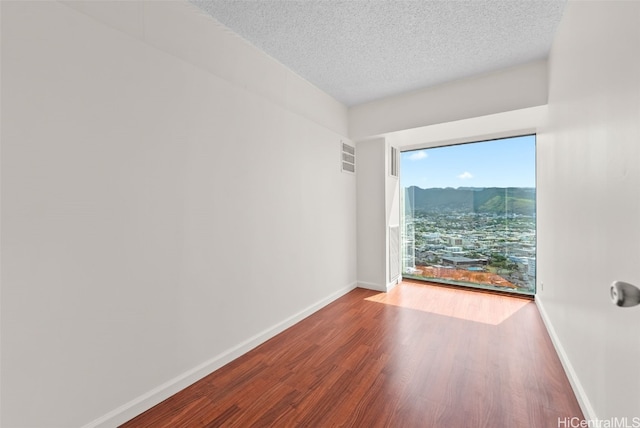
(362, 50)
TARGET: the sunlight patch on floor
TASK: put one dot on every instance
(462, 304)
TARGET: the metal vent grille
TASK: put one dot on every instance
(394, 252)
(348, 158)
(393, 162)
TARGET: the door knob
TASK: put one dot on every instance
(624, 294)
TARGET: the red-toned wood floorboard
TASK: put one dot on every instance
(418, 356)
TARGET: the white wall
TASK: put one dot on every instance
(500, 125)
(371, 218)
(170, 198)
(378, 208)
(589, 202)
(503, 91)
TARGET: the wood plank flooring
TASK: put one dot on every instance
(418, 356)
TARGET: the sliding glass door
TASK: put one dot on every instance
(469, 214)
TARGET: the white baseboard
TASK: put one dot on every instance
(583, 400)
(372, 286)
(391, 285)
(144, 402)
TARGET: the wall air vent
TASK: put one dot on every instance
(393, 162)
(348, 158)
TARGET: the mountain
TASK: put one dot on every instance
(491, 200)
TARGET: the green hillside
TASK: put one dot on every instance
(490, 200)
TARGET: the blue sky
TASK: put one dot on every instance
(508, 162)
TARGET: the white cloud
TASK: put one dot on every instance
(465, 175)
(418, 155)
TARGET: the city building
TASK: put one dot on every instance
(463, 262)
(454, 241)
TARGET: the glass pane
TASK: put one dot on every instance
(469, 214)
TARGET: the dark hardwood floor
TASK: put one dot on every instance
(419, 356)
